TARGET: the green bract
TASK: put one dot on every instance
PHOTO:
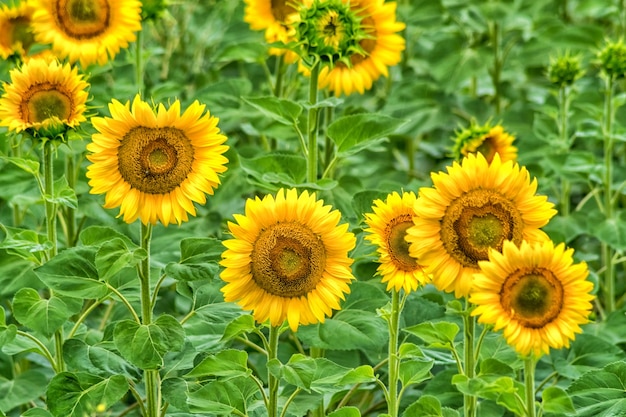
(613, 59)
(565, 69)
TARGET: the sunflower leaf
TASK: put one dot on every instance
(358, 131)
(28, 165)
(41, 315)
(115, 255)
(415, 371)
(439, 334)
(556, 400)
(224, 397)
(345, 412)
(25, 387)
(227, 363)
(600, 392)
(282, 110)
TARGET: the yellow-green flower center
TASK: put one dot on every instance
(281, 10)
(534, 297)
(397, 245)
(332, 29)
(288, 259)
(155, 160)
(477, 221)
(46, 101)
(83, 19)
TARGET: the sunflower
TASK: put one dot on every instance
(15, 33)
(155, 164)
(275, 18)
(381, 48)
(89, 31)
(473, 207)
(43, 95)
(288, 259)
(535, 293)
(487, 140)
(387, 228)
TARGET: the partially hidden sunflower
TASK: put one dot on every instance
(275, 17)
(44, 97)
(288, 259)
(89, 31)
(155, 163)
(15, 31)
(488, 140)
(535, 293)
(387, 228)
(381, 48)
(472, 208)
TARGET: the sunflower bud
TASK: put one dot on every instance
(330, 31)
(487, 140)
(565, 69)
(153, 9)
(613, 59)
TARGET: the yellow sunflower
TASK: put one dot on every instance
(472, 208)
(15, 32)
(155, 164)
(387, 228)
(487, 140)
(43, 94)
(275, 18)
(535, 293)
(89, 31)
(382, 45)
(288, 259)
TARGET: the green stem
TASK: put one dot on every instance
(315, 352)
(529, 380)
(44, 350)
(272, 353)
(139, 61)
(16, 151)
(51, 208)
(279, 72)
(151, 376)
(70, 213)
(393, 401)
(469, 401)
(312, 125)
(607, 251)
(565, 145)
(497, 66)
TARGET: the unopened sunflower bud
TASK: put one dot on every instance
(613, 59)
(565, 70)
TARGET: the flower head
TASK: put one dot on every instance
(387, 230)
(89, 31)
(380, 48)
(613, 59)
(44, 97)
(488, 140)
(288, 259)
(155, 164)
(15, 30)
(564, 70)
(275, 17)
(535, 293)
(474, 207)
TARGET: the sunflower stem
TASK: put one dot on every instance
(497, 66)
(151, 376)
(563, 129)
(272, 381)
(529, 382)
(279, 71)
(394, 360)
(68, 212)
(139, 62)
(469, 401)
(315, 352)
(312, 125)
(607, 251)
(51, 208)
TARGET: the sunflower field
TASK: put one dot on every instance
(285, 208)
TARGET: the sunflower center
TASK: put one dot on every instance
(18, 33)
(288, 259)
(397, 244)
(280, 10)
(155, 160)
(534, 297)
(332, 29)
(83, 18)
(44, 101)
(477, 221)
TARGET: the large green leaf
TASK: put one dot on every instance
(346, 412)
(115, 255)
(415, 371)
(358, 329)
(358, 131)
(63, 195)
(28, 165)
(145, 345)
(98, 235)
(601, 392)
(24, 388)
(556, 400)
(17, 272)
(438, 334)
(43, 315)
(320, 374)
(26, 244)
(96, 360)
(227, 363)
(428, 406)
(282, 110)
(73, 273)
(504, 390)
(224, 397)
(80, 394)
